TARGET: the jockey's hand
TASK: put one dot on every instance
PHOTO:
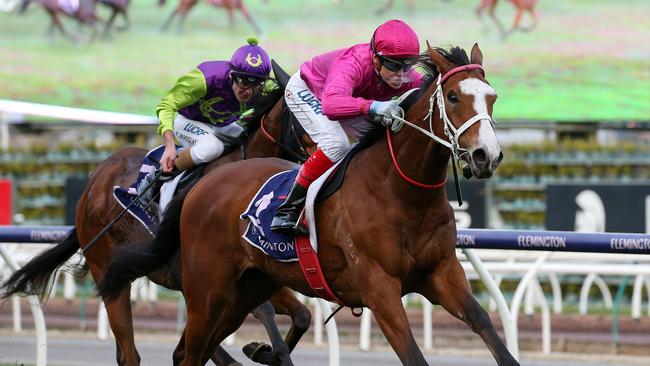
(168, 158)
(384, 111)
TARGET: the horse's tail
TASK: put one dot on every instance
(34, 277)
(131, 262)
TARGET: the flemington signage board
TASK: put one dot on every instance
(623, 208)
(472, 213)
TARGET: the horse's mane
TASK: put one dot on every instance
(455, 55)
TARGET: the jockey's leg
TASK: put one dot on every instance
(286, 218)
(201, 142)
(332, 143)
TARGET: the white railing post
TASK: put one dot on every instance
(427, 320)
(318, 323)
(637, 295)
(37, 313)
(507, 320)
(364, 329)
(332, 334)
(16, 311)
(522, 287)
(102, 322)
(557, 293)
(69, 286)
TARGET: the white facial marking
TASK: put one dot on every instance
(480, 90)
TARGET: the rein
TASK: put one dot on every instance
(296, 156)
(452, 133)
(413, 182)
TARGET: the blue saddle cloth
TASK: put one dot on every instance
(146, 215)
(260, 212)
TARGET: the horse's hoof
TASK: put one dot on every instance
(255, 350)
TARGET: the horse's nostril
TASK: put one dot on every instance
(499, 159)
(479, 156)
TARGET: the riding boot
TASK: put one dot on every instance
(286, 218)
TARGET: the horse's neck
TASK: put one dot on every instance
(420, 159)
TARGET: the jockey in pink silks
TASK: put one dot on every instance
(333, 94)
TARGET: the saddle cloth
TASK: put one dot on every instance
(147, 213)
(262, 208)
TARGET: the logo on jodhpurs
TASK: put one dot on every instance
(313, 102)
(194, 130)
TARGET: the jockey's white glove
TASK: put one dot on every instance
(385, 111)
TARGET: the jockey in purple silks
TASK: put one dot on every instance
(332, 95)
(202, 109)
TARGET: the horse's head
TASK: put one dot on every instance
(465, 100)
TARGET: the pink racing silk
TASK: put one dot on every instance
(346, 82)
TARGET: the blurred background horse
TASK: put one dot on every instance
(184, 7)
(83, 11)
(521, 7)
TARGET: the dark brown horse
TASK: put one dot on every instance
(97, 207)
(184, 7)
(388, 231)
(83, 11)
(521, 5)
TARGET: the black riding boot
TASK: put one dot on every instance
(288, 213)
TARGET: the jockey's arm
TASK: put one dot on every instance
(338, 103)
(189, 89)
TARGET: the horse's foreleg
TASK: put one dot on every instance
(448, 287)
(56, 24)
(533, 25)
(517, 20)
(127, 21)
(181, 21)
(109, 23)
(382, 295)
(231, 17)
(167, 22)
(496, 21)
(251, 21)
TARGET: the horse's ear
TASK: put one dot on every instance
(477, 55)
(438, 59)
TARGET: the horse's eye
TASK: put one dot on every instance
(452, 98)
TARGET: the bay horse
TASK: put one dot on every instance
(389, 230)
(521, 5)
(83, 11)
(97, 207)
(184, 7)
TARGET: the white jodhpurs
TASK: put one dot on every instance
(207, 141)
(328, 135)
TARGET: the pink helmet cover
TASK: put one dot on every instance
(395, 38)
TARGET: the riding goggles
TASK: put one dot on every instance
(246, 81)
(395, 65)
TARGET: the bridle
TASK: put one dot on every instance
(451, 132)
